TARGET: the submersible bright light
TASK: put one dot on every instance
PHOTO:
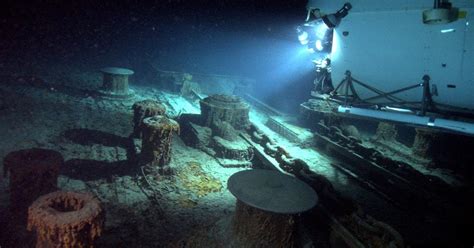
(317, 34)
(313, 35)
(303, 37)
(319, 45)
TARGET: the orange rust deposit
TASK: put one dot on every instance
(142, 110)
(156, 141)
(66, 219)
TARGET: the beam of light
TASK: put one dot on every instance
(336, 46)
(291, 64)
(449, 30)
(287, 70)
(320, 30)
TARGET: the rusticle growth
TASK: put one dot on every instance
(257, 228)
(230, 109)
(423, 145)
(66, 219)
(33, 172)
(142, 110)
(386, 131)
(156, 141)
(224, 130)
(267, 202)
(115, 80)
(115, 83)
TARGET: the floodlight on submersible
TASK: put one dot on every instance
(314, 35)
(316, 32)
(333, 20)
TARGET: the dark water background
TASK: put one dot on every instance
(253, 39)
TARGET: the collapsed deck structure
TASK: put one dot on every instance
(366, 182)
